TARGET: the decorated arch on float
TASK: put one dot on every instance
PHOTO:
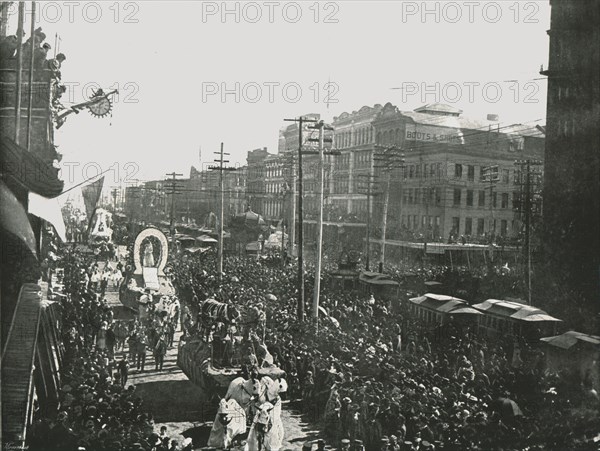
(150, 250)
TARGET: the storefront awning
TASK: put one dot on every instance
(14, 219)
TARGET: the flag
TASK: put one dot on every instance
(48, 209)
(91, 195)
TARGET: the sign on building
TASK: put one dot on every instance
(428, 133)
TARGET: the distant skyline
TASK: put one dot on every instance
(168, 64)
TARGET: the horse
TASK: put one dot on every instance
(266, 432)
(216, 311)
(230, 422)
(213, 311)
(121, 331)
(244, 392)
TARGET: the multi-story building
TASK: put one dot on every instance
(354, 139)
(443, 190)
(572, 165)
(255, 183)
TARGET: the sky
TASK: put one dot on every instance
(173, 61)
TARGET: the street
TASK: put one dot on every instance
(177, 403)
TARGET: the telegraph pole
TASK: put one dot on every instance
(526, 210)
(491, 175)
(221, 168)
(300, 122)
(390, 162)
(320, 186)
(173, 182)
(369, 193)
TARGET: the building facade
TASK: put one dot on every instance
(448, 176)
(572, 164)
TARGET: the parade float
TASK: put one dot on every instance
(145, 279)
(218, 348)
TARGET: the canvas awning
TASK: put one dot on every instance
(206, 239)
(195, 250)
(14, 219)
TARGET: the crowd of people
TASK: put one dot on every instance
(370, 375)
(378, 377)
(98, 410)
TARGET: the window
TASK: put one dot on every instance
(503, 227)
(469, 198)
(505, 175)
(471, 173)
(504, 200)
(495, 200)
(457, 193)
(480, 226)
(425, 170)
(411, 171)
(481, 202)
(458, 171)
(438, 196)
(468, 226)
(456, 225)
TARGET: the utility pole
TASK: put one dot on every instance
(390, 160)
(491, 176)
(369, 192)
(300, 122)
(526, 210)
(221, 168)
(320, 187)
(292, 215)
(173, 187)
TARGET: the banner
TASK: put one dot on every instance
(48, 209)
(91, 195)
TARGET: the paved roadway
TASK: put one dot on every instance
(177, 403)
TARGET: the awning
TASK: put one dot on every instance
(206, 239)
(194, 250)
(29, 170)
(14, 219)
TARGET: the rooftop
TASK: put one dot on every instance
(570, 339)
(514, 310)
